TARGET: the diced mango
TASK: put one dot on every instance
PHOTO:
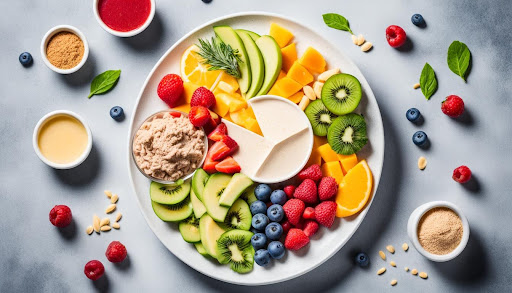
(315, 158)
(280, 34)
(300, 74)
(313, 60)
(238, 117)
(289, 54)
(188, 91)
(296, 97)
(221, 106)
(319, 141)
(333, 169)
(347, 162)
(250, 113)
(226, 87)
(183, 108)
(285, 87)
(327, 153)
(281, 75)
(252, 125)
(227, 79)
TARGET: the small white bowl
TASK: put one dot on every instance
(50, 34)
(124, 34)
(412, 230)
(35, 139)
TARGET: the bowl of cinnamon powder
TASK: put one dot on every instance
(64, 49)
(438, 230)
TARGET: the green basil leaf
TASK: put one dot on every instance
(458, 59)
(428, 81)
(104, 82)
(337, 21)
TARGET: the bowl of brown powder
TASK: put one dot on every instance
(64, 49)
(438, 230)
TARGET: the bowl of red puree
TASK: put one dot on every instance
(124, 18)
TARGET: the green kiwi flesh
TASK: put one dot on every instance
(341, 93)
(320, 117)
(347, 134)
(234, 247)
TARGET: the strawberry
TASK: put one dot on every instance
(202, 97)
(306, 191)
(310, 228)
(453, 106)
(199, 116)
(176, 114)
(223, 148)
(286, 226)
(396, 36)
(170, 89)
(209, 165)
(210, 125)
(293, 210)
(309, 213)
(228, 166)
(313, 172)
(215, 117)
(327, 188)
(231, 143)
(289, 190)
(295, 239)
(220, 131)
(325, 213)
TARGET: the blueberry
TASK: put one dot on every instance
(259, 222)
(262, 192)
(413, 114)
(362, 259)
(274, 231)
(25, 58)
(206, 1)
(417, 20)
(278, 196)
(258, 207)
(275, 213)
(420, 138)
(258, 241)
(262, 257)
(276, 249)
(117, 113)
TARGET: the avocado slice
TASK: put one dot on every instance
(237, 185)
(256, 61)
(200, 248)
(197, 205)
(248, 195)
(254, 36)
(230, 37)
(212, 193)
(189, 229)
(169, 193)
(199, 181)
(173, 213)
(273, 62)
(210, 233)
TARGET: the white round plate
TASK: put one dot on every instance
(324, 244)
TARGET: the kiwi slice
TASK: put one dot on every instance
(347, 134)
(189, 229)
(239, 216)
(341, 93)
(234, 248)
(169, 193)
(320, 117)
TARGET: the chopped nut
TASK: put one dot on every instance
(423, 275)
(105, 228)
(360, 40)
(390, 248)
(406, 269)
(116, 225)
(326, 74)
(110, 208)
(366, 47)
(317, 87)
(118, 217)
(405, 246)
(382, 255)
(416, 86)
(354, 39)
(304, 102)
(96, 223)
(393, 282)
(422, 163)
(108, 193)
(89, 230)
(392, 263)
(309, 92)
(104, 222)
(114, 198)
(414, 272)
(381, 271)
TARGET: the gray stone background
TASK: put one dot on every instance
(36, 257)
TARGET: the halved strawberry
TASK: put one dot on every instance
(209, 165)
(218, 151)
(215, 117)
(220, 131)
(176, 114)
(231, 143)
(228, 166)
(210, 125)
(199, 116)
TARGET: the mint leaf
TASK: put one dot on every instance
(428, 81)
(104, 82)
(337, 21)
(458, 58)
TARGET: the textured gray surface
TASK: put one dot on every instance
(36, 257)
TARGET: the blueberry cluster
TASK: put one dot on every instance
(265, 223)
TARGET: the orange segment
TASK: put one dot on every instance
(354, 190)
(194, 71)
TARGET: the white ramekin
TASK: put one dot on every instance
(124, 34)
(35, 138)
(50, 34)
(412, 230)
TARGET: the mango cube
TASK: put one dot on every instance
(313, 60)
(300, 74)
(285, 87)
(333, 169)
(183, 108)
(314, 158)
(289, 54)
(296, 97)
(252, 125)
(188, 90)
(226, 87)
(280, 34)
(221, 106)
(224, 77)
(327, 153)
(347, 162)
(281, 75)
(319, 141)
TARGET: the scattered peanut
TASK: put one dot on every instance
(390, 248)
(309, 92)
(96, 223)
(392, 263)
(317, 87)
(366, 47)
(422, 163)
(405, 246)
(114, 198)
(381, 271)
(360, 40)
(108, 193)
(326, 74)
(393, 282)
(354, 39)
(118, 217)
(423, 275)
(304, 102)
(416, 86)
(105, 228)
(110, 208)
(116, 225)
(382, 255)
(89, 230)
(104, 222)
(406, 269)
(414, 272)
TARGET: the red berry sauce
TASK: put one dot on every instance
(124, 15)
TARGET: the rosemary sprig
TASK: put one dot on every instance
(220, 56)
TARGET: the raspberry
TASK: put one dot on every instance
(170, 89)
(116, 252)
(295, 239)
(453, 106)
(327, 188)
(289, 190)
(306, 191)
(202, 97)
(396, 36)
(293, 210)
(309, 213)
(199, 116)
(462, 174)
(60, 216)
(310, 228)
(313, 172)
(325, 213)
(94, 270)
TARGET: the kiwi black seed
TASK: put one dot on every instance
(347, 134)
(319, 117)
(341, 93)
(234, 247)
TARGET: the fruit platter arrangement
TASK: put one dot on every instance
(259, 152)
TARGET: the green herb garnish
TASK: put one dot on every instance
(104, 82)
(337, 21)
(220, 56)
(458, 58)
(428, 81)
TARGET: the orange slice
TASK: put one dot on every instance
(354, 190)
(194, 71)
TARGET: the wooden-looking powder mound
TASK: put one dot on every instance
(440, 231)
(65, 50)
